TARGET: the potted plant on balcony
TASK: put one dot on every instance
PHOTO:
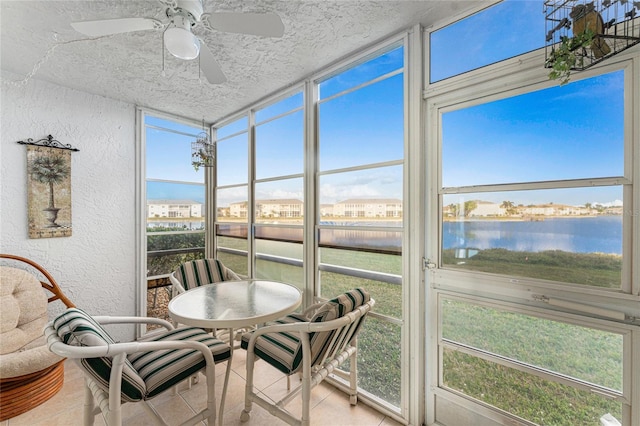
(567, 55)
(586, 42)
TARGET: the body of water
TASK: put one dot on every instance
(602, 234)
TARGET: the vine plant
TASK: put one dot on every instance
(568, 55)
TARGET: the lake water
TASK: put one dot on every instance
(602, 234)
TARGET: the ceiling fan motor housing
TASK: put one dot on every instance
(192, 9)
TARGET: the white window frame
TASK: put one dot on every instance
(141, 203)
(505, 79)
(412, 384)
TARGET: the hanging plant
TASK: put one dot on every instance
(202, 151)
(569, 54)
(201, 159)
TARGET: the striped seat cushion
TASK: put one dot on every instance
(283, 350)
(162, 369)
(77, 328)
(203, 271)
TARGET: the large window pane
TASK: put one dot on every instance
(279, 146)
(582, 353)
(290, 103)
(364, 126)
(279, 201)
(168, 156)
(489, 36)
(165, 252)
(175, 206)
(388, 296)
(283, 241)
(232, 246)
(525, 395)
(364, 197)
(241, 124)
(237, 262)
(379, 359)
(565, 238)
(232, 204)
(282, 272)
(367, 71)
(552, 134)
(373, 250)
(231, 160)
(170, 192)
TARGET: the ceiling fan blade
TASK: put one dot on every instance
(115, 26)
(209, 66)
(260, 24)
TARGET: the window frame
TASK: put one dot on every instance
(141, 208)
(311, 175)
(512, 77)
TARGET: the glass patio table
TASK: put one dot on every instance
(234, 304)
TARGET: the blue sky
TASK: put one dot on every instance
(564, 132)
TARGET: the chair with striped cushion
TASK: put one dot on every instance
(196, 273)
(138, 370)
(314, 343)
(199, 272)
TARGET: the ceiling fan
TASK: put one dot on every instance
(180, 41)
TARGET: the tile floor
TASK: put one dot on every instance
(329, 405)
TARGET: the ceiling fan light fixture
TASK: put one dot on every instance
(179, 39)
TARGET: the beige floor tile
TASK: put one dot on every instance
(336, 411)
(259, 417)
(328, 405)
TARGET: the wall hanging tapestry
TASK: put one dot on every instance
(48, 188)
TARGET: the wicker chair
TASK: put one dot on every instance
(315, 343)
(29, 373)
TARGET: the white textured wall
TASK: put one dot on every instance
(96, 265)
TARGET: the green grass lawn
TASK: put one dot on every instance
(580, 352)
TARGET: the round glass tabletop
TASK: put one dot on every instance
(233, 304)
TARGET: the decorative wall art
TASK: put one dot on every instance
(48, 188)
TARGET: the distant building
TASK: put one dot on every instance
(372, 208)
(238, 209)
(276, 208)
(290, 207)
(173, 209)
(326, 209)
(485, 208)
(556, 210)
(279, 208)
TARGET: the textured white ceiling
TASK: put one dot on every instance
(36, 36)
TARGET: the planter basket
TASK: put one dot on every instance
(615, 25)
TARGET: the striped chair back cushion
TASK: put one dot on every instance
(199, 272)
(333, 309)
(283, 350)
(77, 328)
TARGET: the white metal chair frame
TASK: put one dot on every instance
(110, 403)
(342, 346)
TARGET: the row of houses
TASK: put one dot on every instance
(174, 209)
(283, 208)
(478, 208)
(368, 208)
(279, 208)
